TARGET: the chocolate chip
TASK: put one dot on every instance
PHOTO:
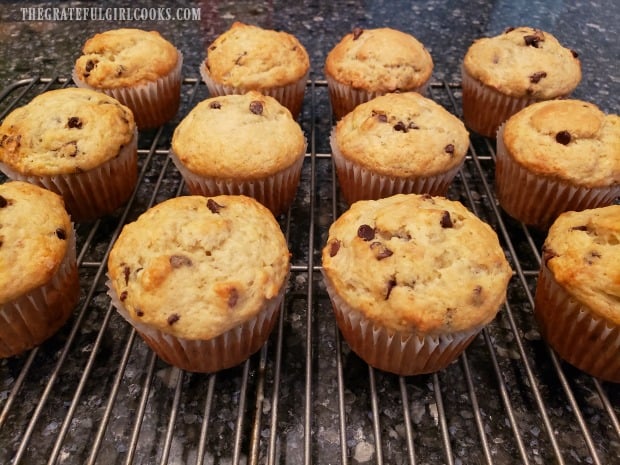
(446, 221)
(508, 29)
(391, 284)
(563, 137)
(381, 251)
(574, 53)
(214, 206)
(534, 39)
(172, 319)
(120, 70)
(477, 298)
(400, 126)
(536, 77)
(381, 117)
(74, 123)
(123, 296)
(427, 197)
(233, 297)
(579, 228)
(215, 105)
(357, 32)
(90, 64)
(177, 261)
(412, 125)
(334, 247)
(139, 313)
(449, 149)
(61, 234)
(3, 202)
(366, 232)
(126, 273)
(256, 107)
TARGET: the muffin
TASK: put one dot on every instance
(577, 303)
(367, 63)
(407, 294)
(78, 143)
(247, 57)
(241, 144)
(201, 279)
(556, 156)
(139, 68)
(39, 284)
(505, 73)
(397, 143)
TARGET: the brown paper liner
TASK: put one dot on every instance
(92, 194)
(153, 103)
(345, 98)
(399, 352)
(291, 95)
(579, 336)
(359, 183)
(208, 356)
(32, 318)
(538, 200)
(276, 192)
(484, 108)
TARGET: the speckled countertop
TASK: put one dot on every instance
(95, 394)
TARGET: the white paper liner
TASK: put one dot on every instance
(291, 95)
(152, 103)
(345, 98)
(359, 183)
(402, 353)
(208, 356)
(575, 332)
(94, 193)
(538, 200)
(485, 109)
(30, 319)
(276, 191)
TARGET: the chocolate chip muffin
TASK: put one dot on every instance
(201, 279)
(407, 293)
(248, 57)
(254, 147)
(556, 156)
(79, 143)
(578, 291)
(39, 284)
(367, 63)
(397, 143)
(507, 72)
(139, 68)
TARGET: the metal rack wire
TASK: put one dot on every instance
(95, 393)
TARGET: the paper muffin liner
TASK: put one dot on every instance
(208, 356)
(579, 336)
(399, 352)
(484, 108)
(94, 193)
(345, 98)
(152, 103)
(276, 191)
(360, 183)
(32, 318)
(538, 200)
(291, 95)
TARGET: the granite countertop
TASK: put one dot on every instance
(155, 409)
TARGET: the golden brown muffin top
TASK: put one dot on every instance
(240, 137)
(381, 60)
(125, 57)
(402, 135)
(524, 61)
(196, 267)
(568, 139)
(65, 131)
(251, 57)
(582, 251)
(417, 263)
(35, 236)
